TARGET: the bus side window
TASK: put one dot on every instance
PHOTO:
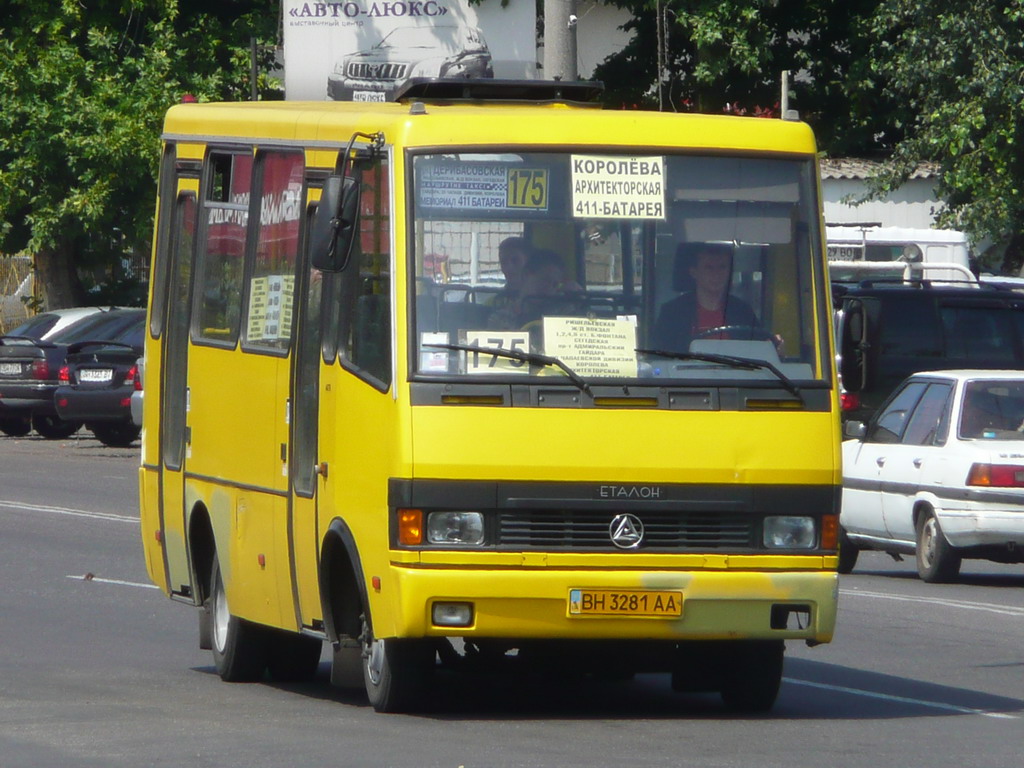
(366, 328)
(226, 213)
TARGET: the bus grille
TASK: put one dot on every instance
(677, 531)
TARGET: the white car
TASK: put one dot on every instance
(938, 472)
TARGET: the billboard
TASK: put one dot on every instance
(362, 50)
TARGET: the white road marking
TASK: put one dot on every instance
(23, 507)
(90, 577)
(1004, 610)
(902, 699)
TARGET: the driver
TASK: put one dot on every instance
(708, 306)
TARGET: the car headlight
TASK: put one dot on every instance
(455, 528)
(789, 532)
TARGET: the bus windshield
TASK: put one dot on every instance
(616, 268)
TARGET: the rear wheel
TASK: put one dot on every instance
(848, 552)
(16, 426)
(117, 434)
(752, 675)
(54, 427)
(239, 648)
(937, 561)
(396, 672)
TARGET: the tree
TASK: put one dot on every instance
(728, 55)
(84, 88)
(957, 69)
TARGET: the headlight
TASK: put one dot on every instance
(785, 532)
(455, 528)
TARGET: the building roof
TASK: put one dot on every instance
(856, 168)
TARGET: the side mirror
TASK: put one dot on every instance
(336, 224)
(853, 348)
(855, 429)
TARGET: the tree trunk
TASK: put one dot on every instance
(58, 278)
(1013, 256)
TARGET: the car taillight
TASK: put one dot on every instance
(64, 376)
(996, 475)
(40, 369)
(132, 377)
(849, 401)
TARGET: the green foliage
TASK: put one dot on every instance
(728, 55)
(956, 67)
(84, 89)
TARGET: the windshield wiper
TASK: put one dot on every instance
(747, 363)
(526, 357)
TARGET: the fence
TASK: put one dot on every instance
(16, 283)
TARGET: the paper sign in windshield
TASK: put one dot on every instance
(482, 186)
(592, 347)
(618, 187)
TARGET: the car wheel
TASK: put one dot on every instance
(396, 672)
(16, 426)
(752, 675)
(116, 435)
(54, 427)
(293, 658)
(848, 552)
(239, 647)
(937, 561)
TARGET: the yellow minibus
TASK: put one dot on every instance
(487, 376)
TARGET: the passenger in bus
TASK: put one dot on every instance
(708, 306)
(513, 253)
(544, 284)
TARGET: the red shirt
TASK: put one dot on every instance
(708, 319)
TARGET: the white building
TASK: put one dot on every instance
(914, 205)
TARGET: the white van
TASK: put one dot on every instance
(857, 252)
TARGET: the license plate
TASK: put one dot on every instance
(625, 602)
(10, 369)
(95, 374)
(368, 96)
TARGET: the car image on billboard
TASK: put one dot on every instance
(406, 52)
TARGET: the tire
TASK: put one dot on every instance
(848, 552)
(240, 648)
(752, 676)
(937, 561)
(54, 427)
(16, 426)
(116, 434)
(293, 658)
(396, 672)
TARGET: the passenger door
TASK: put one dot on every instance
(916, 462)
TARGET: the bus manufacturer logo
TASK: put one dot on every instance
(626, 531)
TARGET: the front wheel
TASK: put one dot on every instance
(937, 561)
(54, 427)
(116, 435)
(396, 672)
(240, 648)
(16, 426)
(753, 675)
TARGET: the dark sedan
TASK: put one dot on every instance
(29, 371)
(97, 382)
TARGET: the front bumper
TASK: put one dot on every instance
(534, 603)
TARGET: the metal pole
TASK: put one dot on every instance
(253, 71)
(784, 101)
(560, 40)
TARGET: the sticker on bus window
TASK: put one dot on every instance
(618, 187)
(481, 362)
(593, 347)
(528, 188)
(433, 360)
(481, 186)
